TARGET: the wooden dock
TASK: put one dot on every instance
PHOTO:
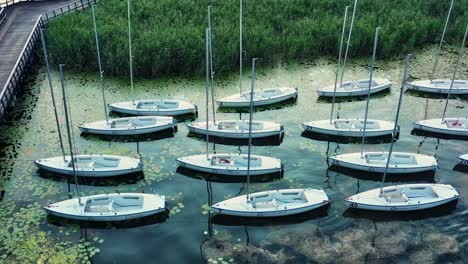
(18, 37)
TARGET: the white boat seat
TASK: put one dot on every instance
(343, 124)
(402, 159)
(265, 204)
(395, 196)
(227, 125)
(254, 162)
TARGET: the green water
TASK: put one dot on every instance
(190, 234)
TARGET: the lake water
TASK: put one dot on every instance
(190, 233)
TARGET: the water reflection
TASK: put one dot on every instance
(227, 220)
(160, 135)
(425, 176)
(379, 216)
(346, 139)
(127, 224)
(265, 141)
(132, 178)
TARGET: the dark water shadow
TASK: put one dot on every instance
(346, 99)
(145, 221)
(131, 178)
(422, 133)
(424, 176)
(434, 95)
(227, 220)
(280, 105)
(266, 141)
(228, 178)
(347, 140)
(385, 216)
(179, 118)
(461, 168)
(159, 135)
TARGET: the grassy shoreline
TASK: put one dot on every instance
(168, 36)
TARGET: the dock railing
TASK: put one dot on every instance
(26, 57)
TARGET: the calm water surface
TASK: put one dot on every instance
(190, 234)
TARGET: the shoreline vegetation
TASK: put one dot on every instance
(168, 36)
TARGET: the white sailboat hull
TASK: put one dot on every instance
(406, 197)
(350, 127)
(231, 164)
(355, 88)
(128, 126)
(261, 97)
(154, 107)
(237, 129)
(91, 165)
(439, 86)
(274, 203)
(109, 207)
(400, 162)
(463, 159)
(457, 126)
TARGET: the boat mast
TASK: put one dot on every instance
(207, 60)
(54, 106)
(395, 126)
(374, 51)
(101, 72)
(130, 50)
(339, 61)
(460, 54)
(250, 127)
(240, 48)
(436, 59)
(348, 41)
(69, 135)
(211, 67)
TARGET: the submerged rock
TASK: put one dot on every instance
(423, 256)
(442, 244)
(218, 249)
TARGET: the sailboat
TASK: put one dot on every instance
(261, 97)
(354, 87)
(102, 207)
(385, 162)
(228, 164)
(271, 203)
(440, 86)
(404, 197)
(351, 127)
(94, 165)
(160, 107)
(127, 125)
(234, 129)
(463, 159)
(456, 126)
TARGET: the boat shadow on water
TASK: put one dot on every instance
(386, 216)
(227, 220)
(163, 134)
(347, 140)
(179, 118)
(322, 99)
(260, 108)
(266, 141)
(425, 176)
(429, 95)
(461, 168)
(125, 224)
(131, 178)
(422, 133)
(228, 178)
